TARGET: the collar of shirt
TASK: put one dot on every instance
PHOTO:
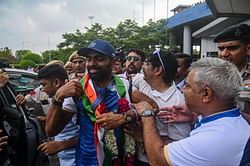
(165, 95)
(235, 112)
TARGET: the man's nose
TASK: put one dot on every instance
(224, 53)
(91, 62)
(132, 62)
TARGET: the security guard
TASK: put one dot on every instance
(234, 45)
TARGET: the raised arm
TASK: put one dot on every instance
(58, 117)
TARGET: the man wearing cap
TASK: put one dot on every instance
(78, 65)
(101, 99)
(234, 46)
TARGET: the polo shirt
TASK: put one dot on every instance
(219, 142)
(172, 96)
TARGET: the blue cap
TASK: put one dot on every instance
(100, 46)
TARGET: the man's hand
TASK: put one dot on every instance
(141, 106)
(110, 120)
(50, 147)
(72, 88)
(176, 114)
(20, 100)
(3, 141)
(4, 78)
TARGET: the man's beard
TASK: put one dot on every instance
(133, 70)
(101, 75)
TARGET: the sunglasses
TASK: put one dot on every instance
(229, 48)
(157, 53)
(133, 58)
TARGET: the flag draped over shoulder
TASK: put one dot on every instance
(109, 144)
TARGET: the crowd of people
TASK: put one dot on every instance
(126, 108)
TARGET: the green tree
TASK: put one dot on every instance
(33, 57)
(72, 40)
(60, 54)
(127, 34)
(6, 54)
(25, 63)
(20, 53)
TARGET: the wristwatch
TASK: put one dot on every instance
(147, 113)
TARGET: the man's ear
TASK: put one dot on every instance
(158, 70)
(207, 94)
(57, 83)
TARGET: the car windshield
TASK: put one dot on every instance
(22, 82)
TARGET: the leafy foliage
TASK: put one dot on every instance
(126, 34)
(6, 55)
(33, 57)
(27, 63)
(20, 53)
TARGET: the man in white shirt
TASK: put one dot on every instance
(157, 83)
(221, 133)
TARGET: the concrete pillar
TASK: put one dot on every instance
(187, 40)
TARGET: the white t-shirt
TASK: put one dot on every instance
(218, 143)
(172, 96)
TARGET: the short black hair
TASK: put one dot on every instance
(53, 71)
(169, 62)
(138, 52)
(187, 58)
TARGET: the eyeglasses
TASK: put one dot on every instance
(78, 61)
(229, 48)
(133, 58)
(157, 52)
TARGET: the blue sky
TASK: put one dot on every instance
(39, 24)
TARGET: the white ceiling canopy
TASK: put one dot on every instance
(229, 8)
